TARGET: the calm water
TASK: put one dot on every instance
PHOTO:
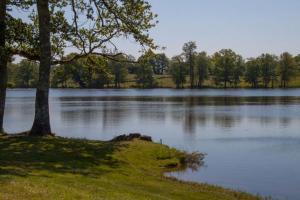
(252, 137)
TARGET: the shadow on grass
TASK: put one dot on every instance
(23, 156)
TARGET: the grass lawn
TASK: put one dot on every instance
(57, 168)
(165, 81)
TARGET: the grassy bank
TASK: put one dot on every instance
(165, 81)
(57, 168)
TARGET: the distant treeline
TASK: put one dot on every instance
(190, 69)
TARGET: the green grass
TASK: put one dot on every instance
(294, 83)
(56, 168)
(165, 81)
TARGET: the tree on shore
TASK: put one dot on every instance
(297, 60)
(178, 71)
(63, 74)
(238, 71)
(132, 64)
(145, 75)
(21, 37)
(27, 74)
(119, 71)
(203, 64)
(252, 73)
(189, 51)
(16, 38)
(268, 69)
(90, 72)
(107, 20)
(160, 63)
(3, 61)
(41, 123)
(227, 67)
(287, 68)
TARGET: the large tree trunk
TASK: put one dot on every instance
(41, 124)
(3, 62)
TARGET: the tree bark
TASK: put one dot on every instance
(41, 124)
(3, 62)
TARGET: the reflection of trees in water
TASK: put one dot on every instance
(268, 120)
(80, 116)
(223, 112)
(190, 122)
(285, 121)
(232, 100)
(113, 113)
(190, 115)
(184, 113)
(78, 110)
(194, 114)
(271, 120)
(20, 108)
(226, 121)
(231, 117)
(155, 111)
(91, 110)
(268, 115)
(19, 113)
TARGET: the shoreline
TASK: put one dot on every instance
(171, 88)
(136, 167)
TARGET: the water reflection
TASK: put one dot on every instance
(246, 133)
(192, 113)
(285, 121)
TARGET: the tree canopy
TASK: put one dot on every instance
(49, 31)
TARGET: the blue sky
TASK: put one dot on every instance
(250, 27)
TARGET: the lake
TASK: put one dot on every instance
(251, 137)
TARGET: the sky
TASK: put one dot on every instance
(249, 27)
